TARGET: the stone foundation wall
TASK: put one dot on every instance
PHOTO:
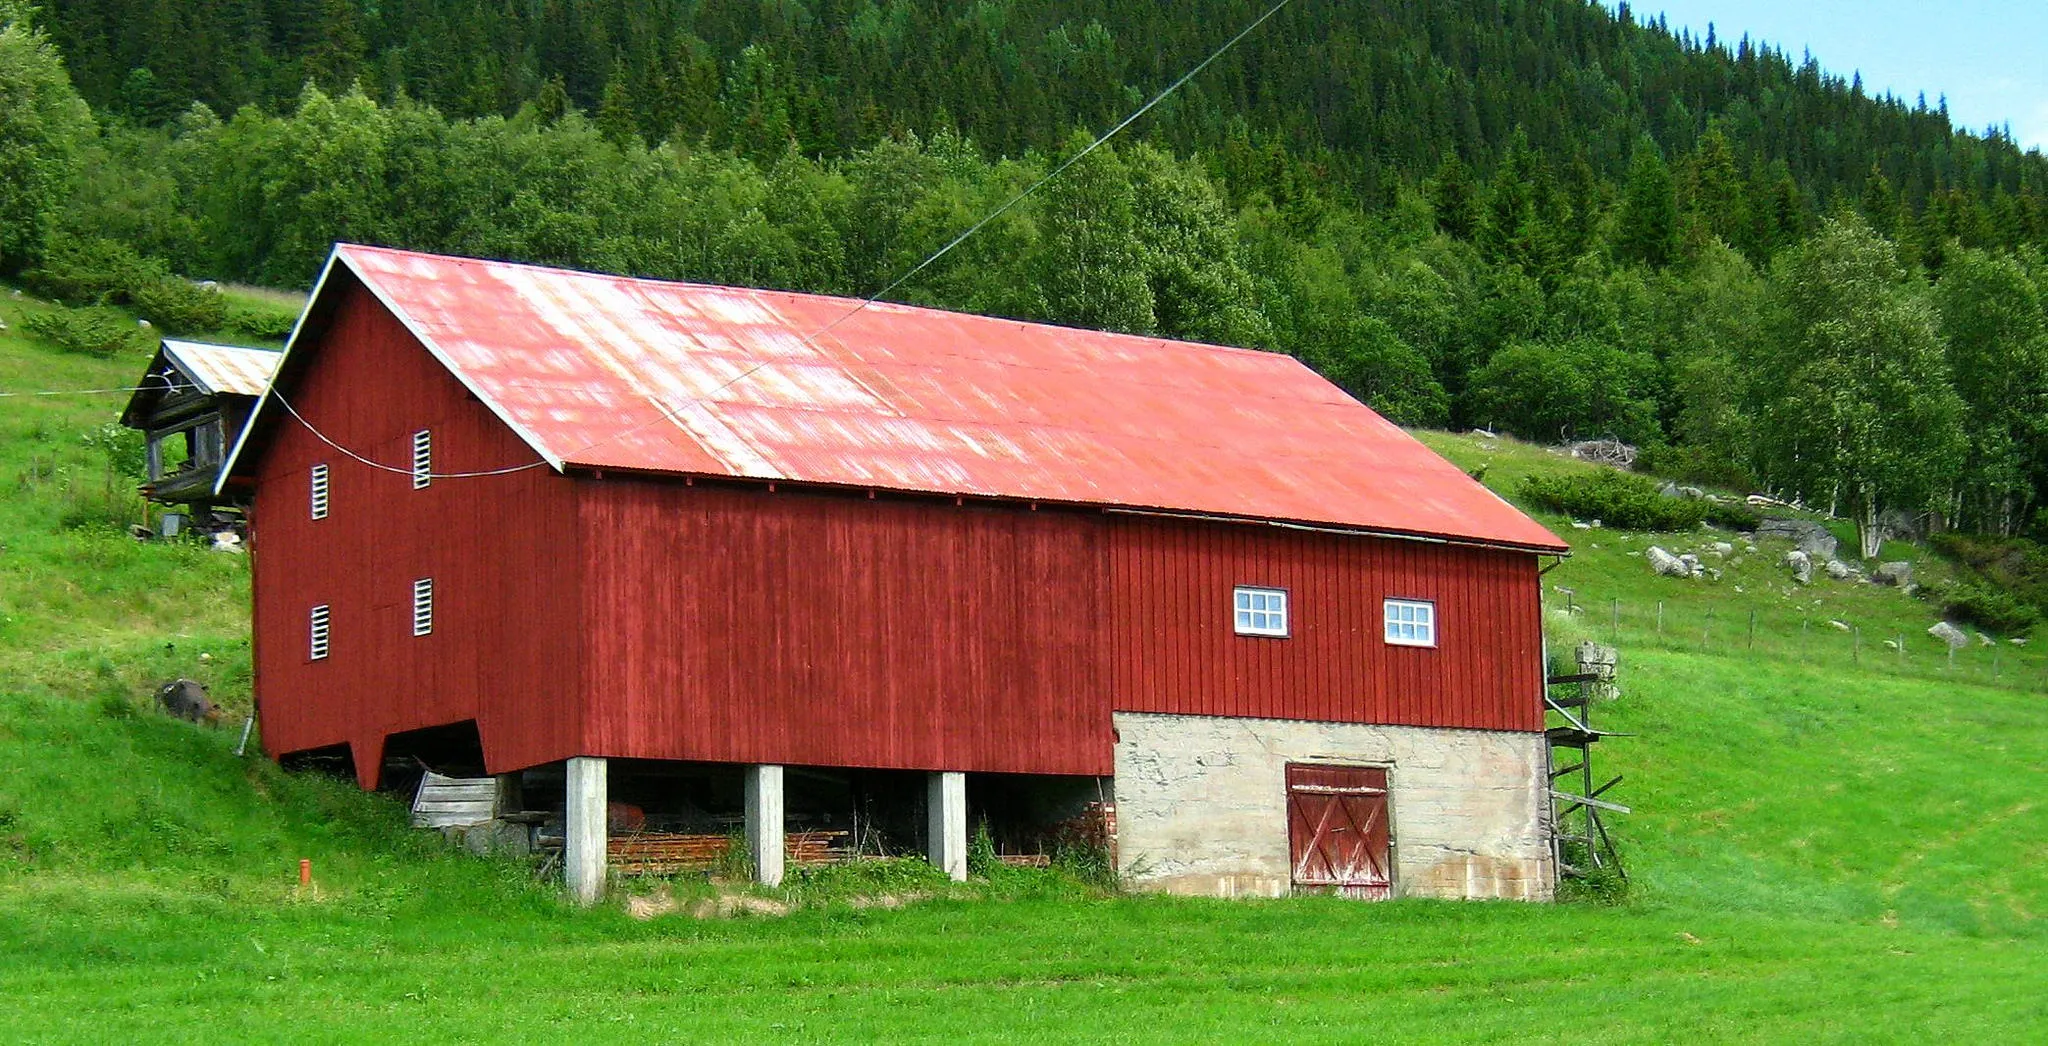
(1202, 804)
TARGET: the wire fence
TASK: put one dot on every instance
(1808, 639)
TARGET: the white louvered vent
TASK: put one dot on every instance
(318, 631)
(319, 492)
(423, 606)
(422, 459)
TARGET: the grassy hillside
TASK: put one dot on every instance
(1823, 851)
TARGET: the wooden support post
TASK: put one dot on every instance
(946, 824)
(583, 830)
(765, 826)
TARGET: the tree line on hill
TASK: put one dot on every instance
(1537, 216)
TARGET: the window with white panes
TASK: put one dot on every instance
(1411, 622)
(1260, 611)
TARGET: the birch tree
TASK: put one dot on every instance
(1858, 411)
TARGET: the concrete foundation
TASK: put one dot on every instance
(1202, 804)
(583, 830)
(946, 829)
(765, 839)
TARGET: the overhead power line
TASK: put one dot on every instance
(1020, 197)
(812, 337)
(402, 471)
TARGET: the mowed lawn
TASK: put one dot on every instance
(1823, 851)
(87, 967)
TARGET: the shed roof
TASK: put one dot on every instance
(609, 372)
(210, 370)
(231, 369)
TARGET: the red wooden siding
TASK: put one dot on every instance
(1175, 649)
(628, 617)
(740, 625)
(502, 553)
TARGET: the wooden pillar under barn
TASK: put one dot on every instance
(946, 824)
(583, 830)
(765, 823)
(511, 794)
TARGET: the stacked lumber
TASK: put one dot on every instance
(666, 853)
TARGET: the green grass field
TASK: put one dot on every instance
(1823, 850)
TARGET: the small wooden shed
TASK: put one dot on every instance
(191, 405)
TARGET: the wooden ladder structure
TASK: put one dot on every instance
(1578, 838)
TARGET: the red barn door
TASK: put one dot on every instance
(1337, 829)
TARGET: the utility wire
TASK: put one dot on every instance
(1020, 197)
(811, 338)
(322, 437)
(96, 392)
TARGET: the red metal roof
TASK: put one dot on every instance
(603, 371)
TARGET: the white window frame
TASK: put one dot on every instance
(319, 625)
(1260, 610)
(423, 606)
(320, 498)
(1415, 617)
(422, 459)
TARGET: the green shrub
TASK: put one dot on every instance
(2002, 581)
(262, 324)
(101, 333)
(180, 306)
(1692, 465)
(1617, 499)
(1732, 516)
(1990, 608)
(93, 271)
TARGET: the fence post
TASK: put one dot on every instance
(1660, 617)
(1902, 648)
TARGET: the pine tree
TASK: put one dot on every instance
(1880, 205)
(1507, 231)
(1646, 230)
(1452, 196)
(616, 118)
(552, 103)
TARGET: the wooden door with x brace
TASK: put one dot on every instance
(1337, 830)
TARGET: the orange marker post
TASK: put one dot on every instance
(305, 871)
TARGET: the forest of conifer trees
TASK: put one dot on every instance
(1542, 216)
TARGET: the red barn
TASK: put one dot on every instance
(748, 550)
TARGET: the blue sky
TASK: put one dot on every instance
(1986, 57)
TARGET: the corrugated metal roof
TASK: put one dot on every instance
(610, 372)
(229, 369)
